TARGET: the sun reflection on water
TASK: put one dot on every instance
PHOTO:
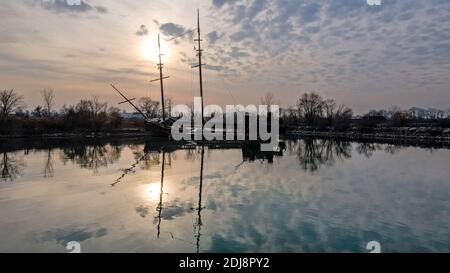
(153, 191)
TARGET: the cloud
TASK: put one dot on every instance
(175, 209)
(172, 30)
(126, 71)
(344, 48)
(63, 236)
(63, 6)
(213, 37)
(220, 3)
(143, 31)
(214, 67)
(345, 8)
(309, 12)
(238, 53)
(101, 9)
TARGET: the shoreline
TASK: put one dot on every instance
(75, 135)
(375, 136)
(351, 135)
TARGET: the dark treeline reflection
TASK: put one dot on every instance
(314, 153)
(48, 170)
(11, 166)
(368, 149)
(311, 153)
(91, 157)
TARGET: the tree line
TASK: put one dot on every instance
(88, 115)
(312, 110)
(94, 115)
(91, 115)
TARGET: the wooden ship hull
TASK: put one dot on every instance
(157, 129)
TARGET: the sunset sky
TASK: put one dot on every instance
(365, 56)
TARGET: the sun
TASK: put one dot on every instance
(149, 48)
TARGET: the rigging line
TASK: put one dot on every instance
(178, 36)
(129, 170)
(231, 94)
(229, 91)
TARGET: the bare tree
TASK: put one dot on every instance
(310, 107)
(48, 96)
(290, 116)
(394, 109)
(329, 106)
(97, 112)
(400, 118)
(342, 117)
(372, 113)
(268, 99)
(149, 107)
(10, 102)
(96, 107)
(114, 117)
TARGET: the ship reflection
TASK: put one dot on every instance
(250, 152)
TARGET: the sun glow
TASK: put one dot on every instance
(149, 48)
(153, 191)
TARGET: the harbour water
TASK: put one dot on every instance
(135, 195)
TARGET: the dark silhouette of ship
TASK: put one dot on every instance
(161, 127)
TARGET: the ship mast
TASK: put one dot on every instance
(199, 65)
(161, 78)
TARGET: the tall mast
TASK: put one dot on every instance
(161, 78)
(199, 53)
(160, 65)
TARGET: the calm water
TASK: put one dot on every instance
(314, 196)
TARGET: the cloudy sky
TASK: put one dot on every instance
(365, 56)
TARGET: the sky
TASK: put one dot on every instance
(364, 56)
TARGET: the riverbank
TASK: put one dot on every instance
(396, 134)
(130, 132)
(372, 136)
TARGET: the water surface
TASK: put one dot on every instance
(139, 196)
